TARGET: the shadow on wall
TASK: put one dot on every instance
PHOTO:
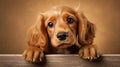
(17, 16)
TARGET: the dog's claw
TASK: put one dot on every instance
(88, 57)
(40, 60)
(98, 55)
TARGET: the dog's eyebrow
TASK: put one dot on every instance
(52, 18)
(66, 14)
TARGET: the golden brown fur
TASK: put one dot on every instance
(42, 38)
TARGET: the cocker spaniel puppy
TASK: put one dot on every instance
(61, 30)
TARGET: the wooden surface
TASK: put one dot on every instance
(15, 60)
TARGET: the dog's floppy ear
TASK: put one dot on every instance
(37, 35)
(86, 30)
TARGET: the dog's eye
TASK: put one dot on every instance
(50, 24)
(70, 20)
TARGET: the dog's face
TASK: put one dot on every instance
(61, 25)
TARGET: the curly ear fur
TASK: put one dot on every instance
(37, 35)
(86, 30)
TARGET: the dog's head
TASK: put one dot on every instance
(62, 27)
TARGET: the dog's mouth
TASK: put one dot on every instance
(64, 45)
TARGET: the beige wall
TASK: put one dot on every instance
(16, 16)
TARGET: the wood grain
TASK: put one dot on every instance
(59, 60)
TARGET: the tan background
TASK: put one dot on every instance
(16, 16)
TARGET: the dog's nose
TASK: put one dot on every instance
(62, 35)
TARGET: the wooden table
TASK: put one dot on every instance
(60, 60)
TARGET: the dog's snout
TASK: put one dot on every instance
(62, 35)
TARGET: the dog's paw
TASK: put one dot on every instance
(33, 54)
(89, 52)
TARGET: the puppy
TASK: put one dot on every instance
(61, 30)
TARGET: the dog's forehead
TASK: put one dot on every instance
(59, 10)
